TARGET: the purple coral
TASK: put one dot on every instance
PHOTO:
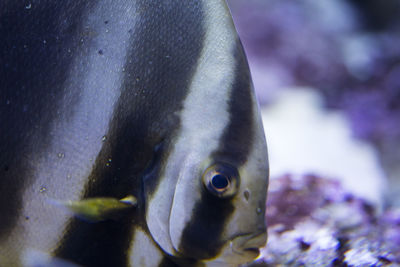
(314, 222)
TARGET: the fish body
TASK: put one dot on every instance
(106, 99)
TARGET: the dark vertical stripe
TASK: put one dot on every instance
(179, 262)
(236, 142)
(201, 237)
(34, 63)
(166, 262)
(165, 48)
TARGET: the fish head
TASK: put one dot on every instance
(206, 201)
(209, 204)
(219, 217)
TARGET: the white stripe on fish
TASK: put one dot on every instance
(94, 81)
(203, 119)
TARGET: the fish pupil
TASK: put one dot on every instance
(220, 181)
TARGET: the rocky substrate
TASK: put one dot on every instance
(313, 222)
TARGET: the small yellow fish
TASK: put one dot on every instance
(99, 208)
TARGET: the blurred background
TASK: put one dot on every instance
(327, 75)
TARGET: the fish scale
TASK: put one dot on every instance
(114, 113)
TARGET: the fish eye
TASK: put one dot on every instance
(221, 180)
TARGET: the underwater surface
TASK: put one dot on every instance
(327, 76)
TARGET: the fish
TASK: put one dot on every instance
(130, 136)
(98, 208)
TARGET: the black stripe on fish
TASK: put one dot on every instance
(201, 237)
(33, 69)
(158, 71)
(166, 262)
(105, 243)
(176, 262)
(236, 142)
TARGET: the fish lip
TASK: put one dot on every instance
(249, 243)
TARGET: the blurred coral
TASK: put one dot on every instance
(314, 222)
(348, 50)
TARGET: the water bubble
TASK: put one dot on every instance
(108, 164)
(246, 194)
(43, 189)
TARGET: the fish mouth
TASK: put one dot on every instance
(241, 248)
(249, 244)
